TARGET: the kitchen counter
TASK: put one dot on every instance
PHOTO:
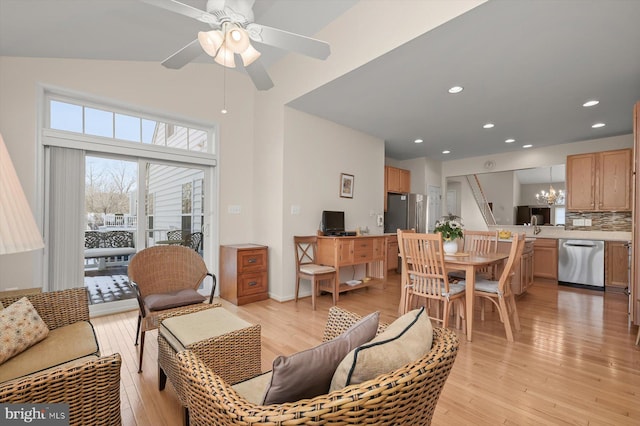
(559, 232)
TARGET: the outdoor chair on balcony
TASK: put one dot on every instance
(194, 241)
(166, 279)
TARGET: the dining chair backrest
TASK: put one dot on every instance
(423, 263)
(194, 240)
(513, 261)
(174, 235)
(305, 248)
(481, 241)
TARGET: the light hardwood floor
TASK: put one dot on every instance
(574, 362)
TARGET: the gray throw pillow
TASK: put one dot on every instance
(405, 340)
(308, 373)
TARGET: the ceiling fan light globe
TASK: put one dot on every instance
(225, 58)
(249, 56)
(210, 41)
(237, 40)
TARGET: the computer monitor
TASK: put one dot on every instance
(332, 222)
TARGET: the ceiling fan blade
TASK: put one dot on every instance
(184, 9)
(289, 41)
(259, 75)
(183, 56)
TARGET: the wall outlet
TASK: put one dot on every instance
(295, 209)
(380, 220)
(233, 209)
(578, 222)
(587, 222)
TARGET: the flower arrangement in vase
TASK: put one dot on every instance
(450, 226)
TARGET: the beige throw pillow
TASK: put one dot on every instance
(308, 373)
(405, 340)
(20, 328)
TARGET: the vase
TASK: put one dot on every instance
(450, 246)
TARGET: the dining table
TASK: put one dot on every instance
(469, 263)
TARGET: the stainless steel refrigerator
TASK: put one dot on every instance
(406, 211)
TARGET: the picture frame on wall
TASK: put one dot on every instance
(346, 185)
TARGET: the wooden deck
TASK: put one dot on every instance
(574, 362)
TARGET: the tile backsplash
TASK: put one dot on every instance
(600, 221)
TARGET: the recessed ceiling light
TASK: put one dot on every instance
(418, 141)
(590, 103)
(510, 140)
(488, 126)
(598, 125)
(527, 146)
(456, 89)
(446, 151)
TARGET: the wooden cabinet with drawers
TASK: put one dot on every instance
(244, 274)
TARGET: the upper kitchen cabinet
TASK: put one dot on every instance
(396, 181)
(599, 181)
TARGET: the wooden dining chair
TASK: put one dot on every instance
(479, 242)
(499, 292)
(426, 277)
(308, 269)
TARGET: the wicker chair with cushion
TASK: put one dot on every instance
(166, 279)
(406, 395)
(90, 384)
(193, 241)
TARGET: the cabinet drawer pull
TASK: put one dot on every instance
(252, 260)
(252, 283)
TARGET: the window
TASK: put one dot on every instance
(78, 117)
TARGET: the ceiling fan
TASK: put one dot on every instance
(232, 30)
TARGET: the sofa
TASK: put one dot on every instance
(405, 395)
(66, 366)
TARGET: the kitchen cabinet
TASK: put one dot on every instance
(244, 274)
(616, 270)
(392, 252)
(396, 181)
(523, 275)
(599, 181)
(545, 258)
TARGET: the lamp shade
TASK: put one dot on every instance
(225, 57)
(18, 229)
(249, 55)
(211, 41)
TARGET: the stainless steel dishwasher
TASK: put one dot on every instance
(581, 263)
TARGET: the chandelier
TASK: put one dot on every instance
(552, 196)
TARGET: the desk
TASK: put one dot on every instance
(468, 264)
(339, 252)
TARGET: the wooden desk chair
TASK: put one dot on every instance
(426, 277)
(499, 292)
(307, 269)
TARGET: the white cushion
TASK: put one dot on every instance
(455, 288)
(313, 269)
(487, 286)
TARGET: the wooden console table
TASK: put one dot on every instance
(349, 251)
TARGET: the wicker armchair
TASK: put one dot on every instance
(91, 388)
(166, 270)
(404, 396)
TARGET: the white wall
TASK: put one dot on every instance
(498, 189)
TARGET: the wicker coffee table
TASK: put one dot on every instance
(230, 347)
